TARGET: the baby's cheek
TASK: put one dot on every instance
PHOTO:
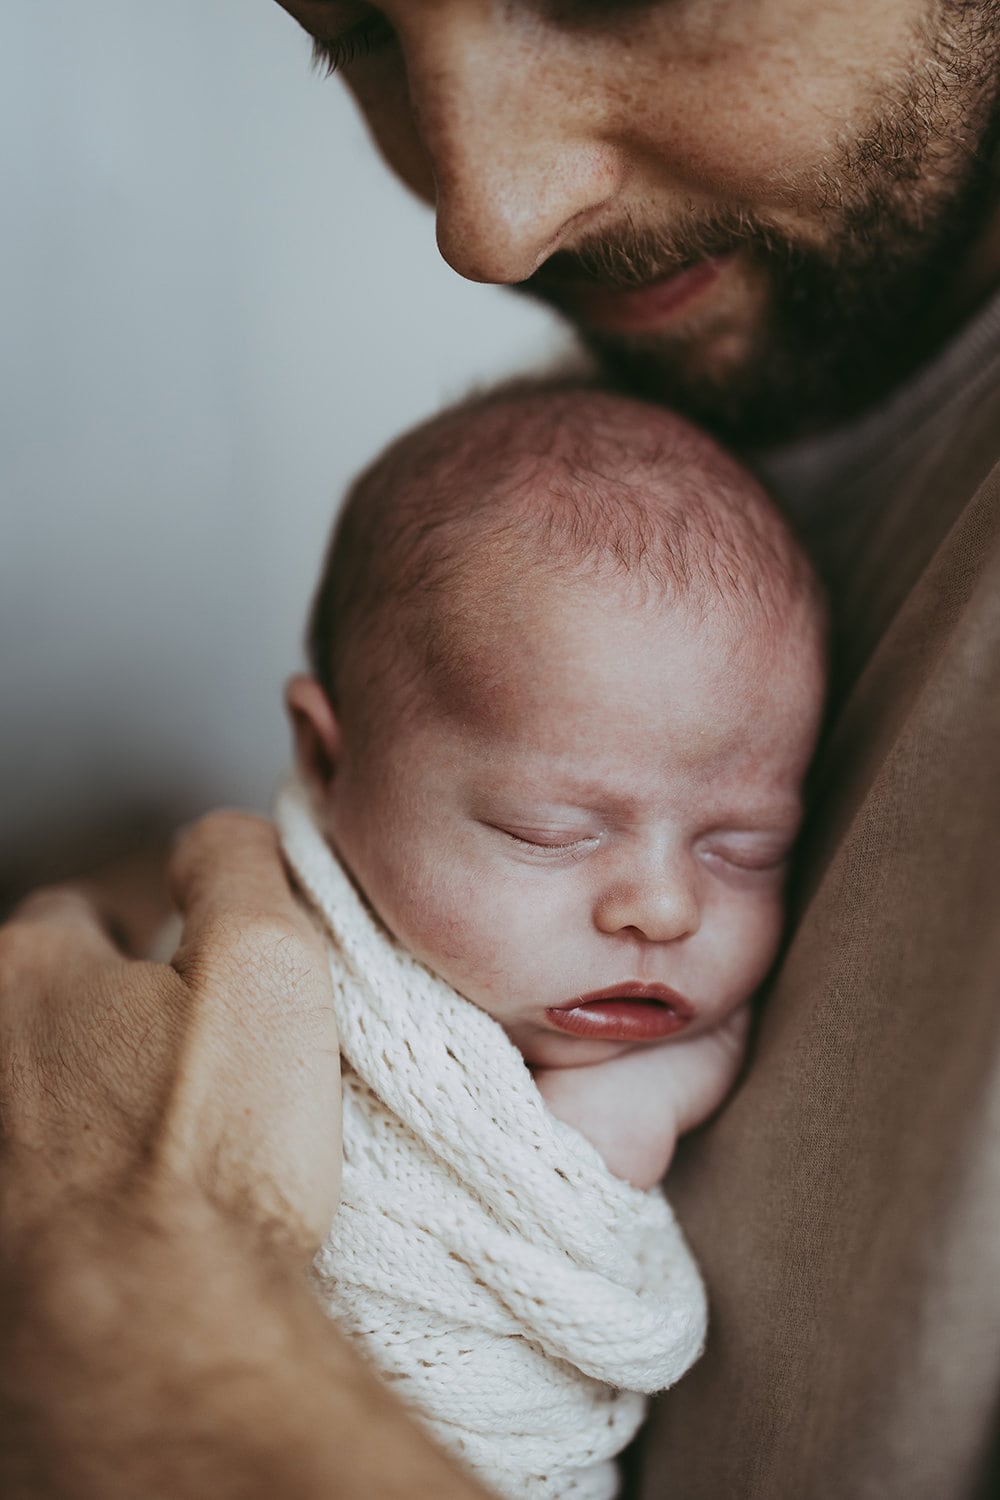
(769, 928)
(451, 922)
(754, 932)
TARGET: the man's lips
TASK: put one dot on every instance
(629, 1012)
(639, 309)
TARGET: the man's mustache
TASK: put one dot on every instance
(631, 257)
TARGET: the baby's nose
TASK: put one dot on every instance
(660, 907)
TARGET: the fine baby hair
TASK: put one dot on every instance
(563, 479)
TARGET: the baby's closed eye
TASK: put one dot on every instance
(750, 853)
(549, 840)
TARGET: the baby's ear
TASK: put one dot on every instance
(316, 731)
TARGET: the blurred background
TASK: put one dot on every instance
(216, 306)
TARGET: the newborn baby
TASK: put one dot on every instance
(568, 670)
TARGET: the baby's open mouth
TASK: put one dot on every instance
(629, 1012)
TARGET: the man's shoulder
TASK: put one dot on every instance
(938, 506)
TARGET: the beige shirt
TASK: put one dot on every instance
(836, 486)
(845, 1207)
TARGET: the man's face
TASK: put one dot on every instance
(760, 211)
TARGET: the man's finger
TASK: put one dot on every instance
(52, 925)
(241, 918)
(257, 965)
(231, 861)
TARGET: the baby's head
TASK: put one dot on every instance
(568, 675)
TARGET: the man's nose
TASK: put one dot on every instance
(520, 160)
(659, 904)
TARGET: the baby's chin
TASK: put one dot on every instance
(542, 1048)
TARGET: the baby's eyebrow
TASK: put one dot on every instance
(529, 810)
(573, 798)
(764, 808)
(552, 791)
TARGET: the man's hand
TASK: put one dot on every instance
(170, 1161)
(217, 1074)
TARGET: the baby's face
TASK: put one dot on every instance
(589, 839)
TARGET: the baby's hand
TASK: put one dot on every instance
(633, 1107)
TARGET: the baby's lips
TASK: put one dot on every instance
(634, 989)
(628, 1012)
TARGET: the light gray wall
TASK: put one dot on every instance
(216, 305)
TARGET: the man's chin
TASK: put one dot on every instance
(775, 381)
(723, 402)
(722, 364)
(725, 387)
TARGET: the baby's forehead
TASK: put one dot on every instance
(510, 652)
(467, 540)
(585, 707)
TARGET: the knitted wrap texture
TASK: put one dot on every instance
(515, 1293)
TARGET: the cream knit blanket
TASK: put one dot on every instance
(517, 1294)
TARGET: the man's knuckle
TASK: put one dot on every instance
(272, 938)
(258, 944)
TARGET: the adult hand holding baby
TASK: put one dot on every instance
(215, 1075)
(170, 1161)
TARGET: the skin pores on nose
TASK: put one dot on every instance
(494, 120)
(702, 99)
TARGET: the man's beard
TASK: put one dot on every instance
(844, 316)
